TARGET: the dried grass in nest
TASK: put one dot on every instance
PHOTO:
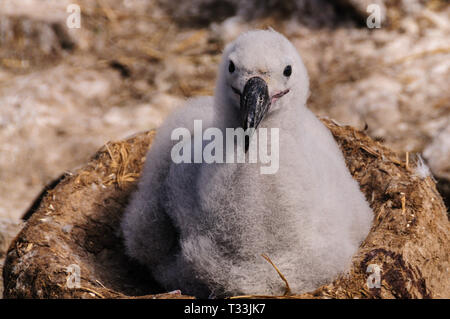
(77, 223)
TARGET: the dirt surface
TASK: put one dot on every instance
(77, 223)
(8, 230)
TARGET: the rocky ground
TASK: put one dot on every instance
(65, 92)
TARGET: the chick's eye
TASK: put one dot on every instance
(231, 67)
(287, 71)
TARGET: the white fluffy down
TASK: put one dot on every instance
(202, 228)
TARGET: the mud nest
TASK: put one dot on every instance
(76, 222)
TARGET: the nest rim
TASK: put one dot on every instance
(34, 267)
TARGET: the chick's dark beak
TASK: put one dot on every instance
(255, 102)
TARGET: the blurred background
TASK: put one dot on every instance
(64, 92)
